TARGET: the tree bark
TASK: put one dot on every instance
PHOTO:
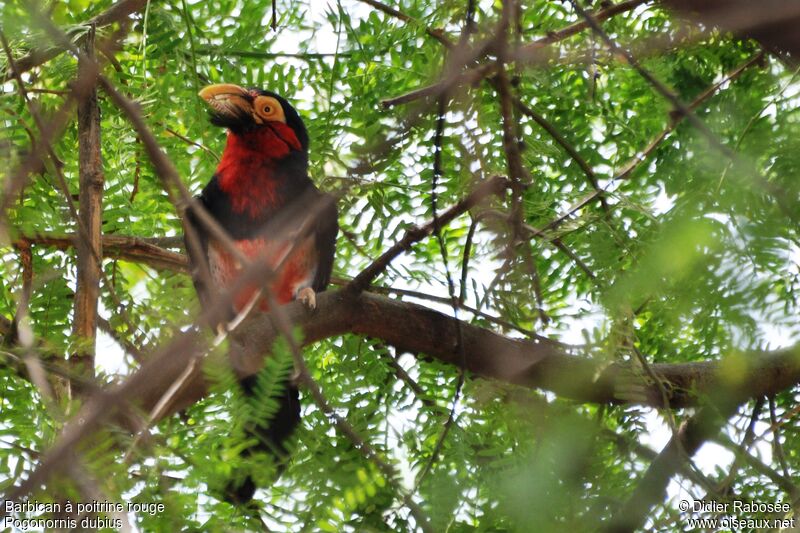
(89, 244)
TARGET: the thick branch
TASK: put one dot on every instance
(420, 330)
(544, 365)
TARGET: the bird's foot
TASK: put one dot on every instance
(308, 298)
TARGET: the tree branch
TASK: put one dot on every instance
(573, 29)
(439, 35)
(418, 330)
(683, 444)
(148, 251)
(526, 54)
(39, 56)
(771, 22)
(90, 198)
(642, 156)
(493, 185)
(778, 194)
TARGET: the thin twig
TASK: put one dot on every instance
(439, 35)
(779, 195)
(305, 379)
(637, 160)
(777, 447)
(256, 54)
(191, 142)
(438, 148)
(465, 260)
(38, 56)
(567, 146)
(414, 234)
(134, 351)
(478, 313)
(144, 250)
(724, 486)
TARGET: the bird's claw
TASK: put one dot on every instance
(308, 298)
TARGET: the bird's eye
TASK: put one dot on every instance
(266, 108)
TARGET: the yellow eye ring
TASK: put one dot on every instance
(269, 109)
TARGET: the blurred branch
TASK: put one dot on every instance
(556, 241)
(771, 22)
(781, 480)
(725, 485)
(681, 447)
(630, 445)
(777, 447)
(39, 56)
(642, 156)
(414, 234)
(176, 190)
(780, 196)
(467, 77)
(437, 34)
(517, 173)
(33, 162)
(82, 89)
(700, 99)
(573, 29)
(529, 51)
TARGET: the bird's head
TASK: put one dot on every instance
(262, 117)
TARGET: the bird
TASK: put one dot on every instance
(261, 195)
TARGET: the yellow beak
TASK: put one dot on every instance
(221, 90)
(227, 99)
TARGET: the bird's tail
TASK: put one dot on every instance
(271, 437)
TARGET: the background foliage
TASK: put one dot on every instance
(692, 259)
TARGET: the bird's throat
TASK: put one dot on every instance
(250, 169)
